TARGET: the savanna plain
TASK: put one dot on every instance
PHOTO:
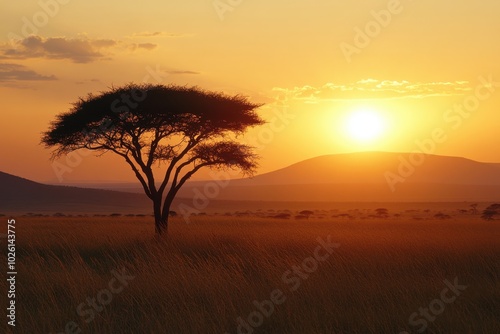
(255, 273)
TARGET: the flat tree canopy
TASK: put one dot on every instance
(185, 128)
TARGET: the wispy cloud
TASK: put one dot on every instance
(155, 34)
(173, 72)
(145, 46)
(79, 50)
(15, 72)
(81, 82)
(374, 89)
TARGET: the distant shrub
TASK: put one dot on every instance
(129, 215)
(58, 214)
(115, 215)
(172, 213)
(140, 215)
(441, 215)
(282, 216)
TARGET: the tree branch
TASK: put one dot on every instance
(149, 192)
(174, 189)
(190, 145)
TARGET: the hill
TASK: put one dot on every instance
(371, 167)
(21, 195)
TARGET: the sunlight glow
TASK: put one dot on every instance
(364, 125)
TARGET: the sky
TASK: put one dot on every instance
(335, 76)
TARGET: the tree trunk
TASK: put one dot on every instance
(165, 212)
(161, 226)
(161, 222)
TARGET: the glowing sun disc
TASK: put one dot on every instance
(364, 125)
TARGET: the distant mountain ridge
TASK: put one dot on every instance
(19, 194)
(371, 167)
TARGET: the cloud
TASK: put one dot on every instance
(81, 82)
(173, 72)
(375, 89)
(16, 72)
(79, 50)
(103, 43)
(145, 46)
(155, 34)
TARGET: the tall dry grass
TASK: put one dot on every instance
(209, 272)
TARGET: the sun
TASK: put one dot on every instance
(364, 125)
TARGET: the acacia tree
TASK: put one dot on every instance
(180, 129)
(491, 211)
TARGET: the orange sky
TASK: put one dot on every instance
(413, 64)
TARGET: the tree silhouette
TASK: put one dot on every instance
(149, 125)
(382, 212)
(491, 211)
(306, 213)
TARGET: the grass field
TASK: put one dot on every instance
(215, 273)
